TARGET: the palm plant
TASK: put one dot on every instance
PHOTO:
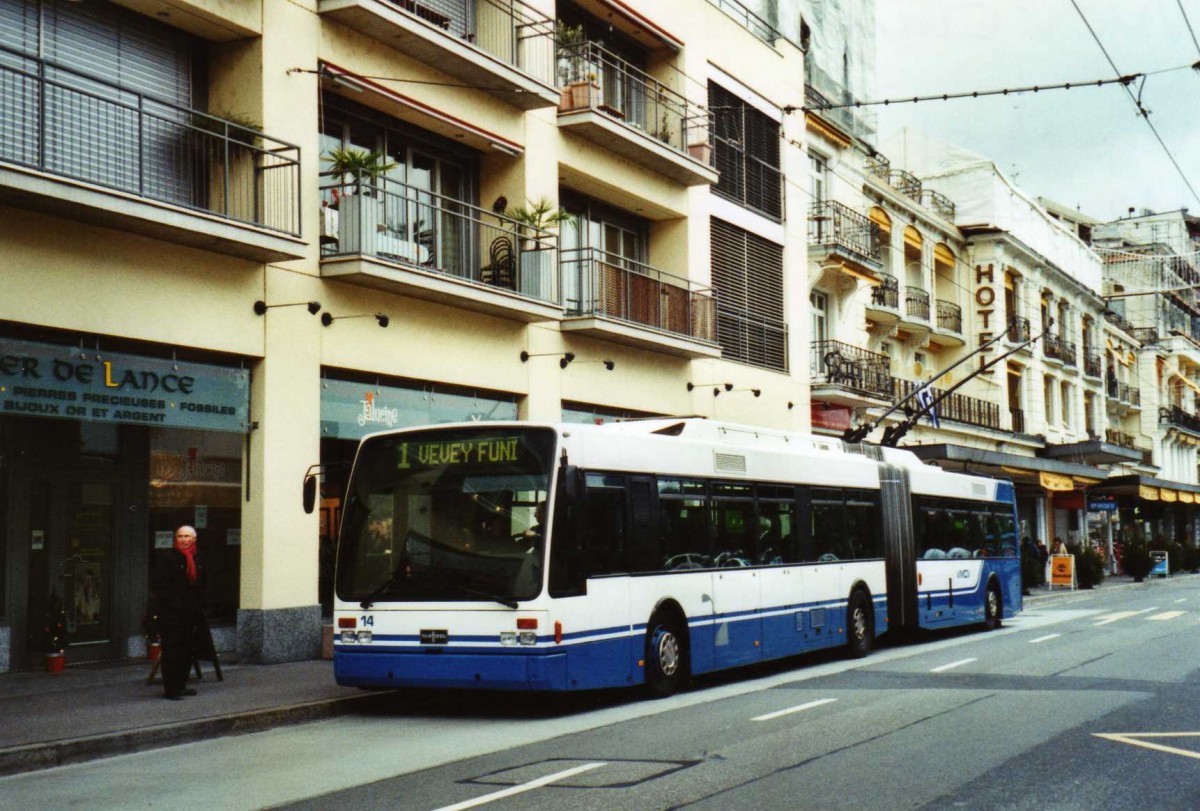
(358, 164)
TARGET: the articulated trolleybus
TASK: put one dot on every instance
(568, 557)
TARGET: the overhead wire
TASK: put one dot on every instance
(1188, 23)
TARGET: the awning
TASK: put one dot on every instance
(1093, 451)
(1186, 497)
(943, 254)
(880, 218)
(912, 237)
(1149, 488)
(1055, 481)
(998, 463)
(1147, 493)
(1166, 494)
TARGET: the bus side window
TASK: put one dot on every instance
(642, 552)
(684, 534)
(603, 531)
(1007, 530)
(935, 538)
(828, 531)
(863, 525)
(777, 532)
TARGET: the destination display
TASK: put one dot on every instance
(47, 380)
(449, 452)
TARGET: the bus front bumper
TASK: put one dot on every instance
(423, 668)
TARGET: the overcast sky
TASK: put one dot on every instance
(1083, 147)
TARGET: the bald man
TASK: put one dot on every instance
(179, 576)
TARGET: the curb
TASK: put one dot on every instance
(48, 755)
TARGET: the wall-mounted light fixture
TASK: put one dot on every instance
(327, 319)
(261, 307)
(564, 358)
(756, 392)
(716, 387)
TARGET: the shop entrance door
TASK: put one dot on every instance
(71, 532)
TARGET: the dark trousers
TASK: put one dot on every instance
(178, 639)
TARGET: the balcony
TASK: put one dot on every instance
(849, 375)
(623, 109)
(1017, 420)
(1018, 331)
(748, 19)
(403, 239)
(956, 407)
(838, 232)
(1119, 438)
(938, 203)
(1070, 354)
(916, 305)
(81, 149)
(949, 329)
(751, 338)
(906, 184)
(627, 302)
(879, 166)
(1119, 321)
(503, 47)
(1177, 417)
(1093, 363)
(1122, 394)
(1052, 347)
(884, 304)
(1145, 335)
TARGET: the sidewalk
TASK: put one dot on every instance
(93, 711)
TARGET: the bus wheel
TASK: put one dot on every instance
(860, 625)
(665, 657)
(991, 608)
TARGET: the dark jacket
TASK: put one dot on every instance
(175, 595)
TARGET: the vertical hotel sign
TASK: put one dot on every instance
(46, 380)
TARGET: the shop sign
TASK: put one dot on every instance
(831, 417)
(353, 410)
(1056, 482)
(46, 380)
(1102, 504)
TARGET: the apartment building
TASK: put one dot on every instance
(238, 237)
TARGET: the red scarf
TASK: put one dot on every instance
(190, 554)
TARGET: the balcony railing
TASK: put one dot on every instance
(1018, 330)
(1145, 335)
(751, 338)
(906, 183)
(1119, 321)
(1018, 420)
(956, 407)
(1120, 438)
(916, 303)
(1093, 364)
(887, 293)
(594, 78)
(949, 317)
(1174, 415)
(409, 226)
(852, 367)
(1070, 354)
(1052, 347)
(834, 225)
(511, 31)
(938, 203)
(879, 166)
(1123, 393)
(595, 282)
(66, 123)
(748, 19)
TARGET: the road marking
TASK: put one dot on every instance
(799, 708)
(1167, 615)
(959, 663)
(1182, 600)
(1044, 638)
(1122, 615)
(521, 789)
(1133, 739)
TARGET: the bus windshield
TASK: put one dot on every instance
(446, 515)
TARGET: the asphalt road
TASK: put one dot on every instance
(1087, 702)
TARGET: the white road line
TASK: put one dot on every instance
(1182, 600)
(521, 789)
(1122, 615)
(1167, 615)
(1044, 638)
(959, 663)
(799, 708)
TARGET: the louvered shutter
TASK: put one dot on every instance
(747, 275)
(746, 146)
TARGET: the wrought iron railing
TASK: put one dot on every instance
(886, 293)
(748, 19)
(1017, 417)
(938, 203)
(834, 225)
(949, 317)
(1123, 393)
(916, 303)
(410, 226)
(73, 125)
(595, 282)
(906, 183)
(879, 166)
(596, 79)
(1070, 354)
(956, 407)
(851, 367)
(1120, 438)
(1093, 363)
(752, 338)
(1145, 335)
(1052, 347)
(1174, 415)
(511, 31)
(1018, 330)
(1119, 321)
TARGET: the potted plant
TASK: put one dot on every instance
(55, 634)
(1089, 565)
(534, 220)
(1136, 561)
(358, 165)
(151, 631)
(357, 171)
(576, 75)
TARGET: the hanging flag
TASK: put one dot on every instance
(925, 402)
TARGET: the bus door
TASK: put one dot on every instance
(736, 586)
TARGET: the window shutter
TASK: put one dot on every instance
(747, 275)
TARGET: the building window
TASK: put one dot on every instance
(819, 173)
(747, 154)
(747, 277)
(1064, 402)
(1048, 398)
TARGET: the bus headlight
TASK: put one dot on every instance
(508, 637)
(528, 637)
(364, 636)
(349, 637)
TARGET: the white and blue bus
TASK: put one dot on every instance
(522, 556)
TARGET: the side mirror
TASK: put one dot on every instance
(310, 493)
(572, 484)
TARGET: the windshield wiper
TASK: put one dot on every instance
(387, 584)
(504, 601)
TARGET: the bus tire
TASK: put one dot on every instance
(666, 656)
(992, 607)
(860, 625)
